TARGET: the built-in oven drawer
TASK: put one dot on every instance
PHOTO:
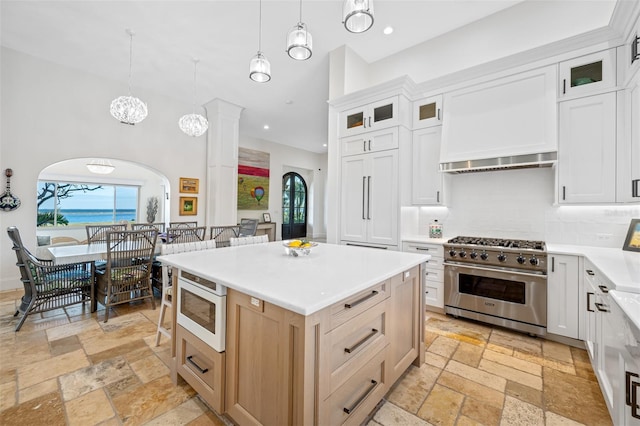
(517, 296)
(201, 367)
(202, 312)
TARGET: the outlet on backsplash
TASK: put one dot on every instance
(603, 237)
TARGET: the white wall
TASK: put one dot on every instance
(311, 166)
(50, 113)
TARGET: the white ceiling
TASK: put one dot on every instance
(90, 35)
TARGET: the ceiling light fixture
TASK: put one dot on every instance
(357, 15)
(299, 40)
(101, 167)
(387, 30)
(129, 109)
(259, 67)
(266, 127)
(193, 124)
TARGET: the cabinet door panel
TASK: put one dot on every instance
(587, 74)
(370, 142)
(587, 151)
(354, 185)
(427, 112)
(382, 195)
(562, 306)
(426, 182)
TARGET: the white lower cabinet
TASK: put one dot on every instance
(563, 285)
(434, 273)
(587, 150)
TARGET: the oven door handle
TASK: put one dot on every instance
(523, 274)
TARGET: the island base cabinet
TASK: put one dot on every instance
(202, 367)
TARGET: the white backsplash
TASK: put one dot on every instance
(519, 204)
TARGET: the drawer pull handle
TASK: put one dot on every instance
(589, 294)
(590, 272)
(192, 362)
(628, 375)
(601, 307)
(359, 301)
(362, 398)
(422, 249)
(604, 288)
(361, 341)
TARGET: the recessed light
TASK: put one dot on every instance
(266, 127)
(387, 30)
(324, 144)
(288, 102)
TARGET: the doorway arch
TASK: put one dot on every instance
(294, 206)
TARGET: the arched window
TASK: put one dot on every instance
(294, 206)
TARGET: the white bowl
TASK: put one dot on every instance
(298, 251)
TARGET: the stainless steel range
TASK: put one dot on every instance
(498, 281)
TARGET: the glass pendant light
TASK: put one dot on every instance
(101, 167)
(357, 15)
(299, 40)
(259, 67)
(129, 109)
(193, 124)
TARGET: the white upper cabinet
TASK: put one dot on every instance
(374, 116)
(628, 189)
(587, 151)
(426, 182)
(427, 112)
(370, 142)
(509, 116)
(587, 74)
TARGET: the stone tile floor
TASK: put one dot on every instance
(67, 367)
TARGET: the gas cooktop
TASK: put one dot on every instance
(497, 252)
(499, 243)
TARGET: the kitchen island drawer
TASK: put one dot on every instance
(201, 366)
(354, 341)
(357, 397)
(353, 306)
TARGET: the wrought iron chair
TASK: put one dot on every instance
(141, 226)
(191, 224)
(127, 276)
(186, 234)
(48, 286)
(167, 288)
(243, 241)
(248, 227)
(222, 234)
(98, 233)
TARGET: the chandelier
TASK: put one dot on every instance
(299, 40)
(259, 67)
(101, 167)
(357, 15)
(193, 124)
(129, 109)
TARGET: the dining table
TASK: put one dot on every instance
(82, 253)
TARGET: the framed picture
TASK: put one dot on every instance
(189, 185)
(632, 242)
(188, 206)
(266, 217)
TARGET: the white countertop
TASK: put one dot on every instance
(629, 303)
(621, 267)
(423, 239)
(303, 284)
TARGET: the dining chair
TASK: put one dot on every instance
(186, 235)
(127, 276)
(167, 285)
(191, 224)
(139, 226)
(98, 233)
(248, 227)
(222, 234)
(243, 241)
(48, 286)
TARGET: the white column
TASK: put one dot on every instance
(222, 162)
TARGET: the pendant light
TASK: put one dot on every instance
(259, 67)
(129, 109)
(193, 124)
(299, 40)
(357, 15)
(101, 166)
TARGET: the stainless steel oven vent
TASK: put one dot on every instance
(545, 159)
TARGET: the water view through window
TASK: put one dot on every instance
(68, 204)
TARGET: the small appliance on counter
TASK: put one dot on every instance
(435, 229)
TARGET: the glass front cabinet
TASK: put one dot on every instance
(427, 112)
(374, 116)
(588, 74)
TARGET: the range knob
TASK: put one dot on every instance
(521, 259)
(452, 253)
(462, 253)
(484, 255)
(473, 255)
(502, 257)
(534, 261)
